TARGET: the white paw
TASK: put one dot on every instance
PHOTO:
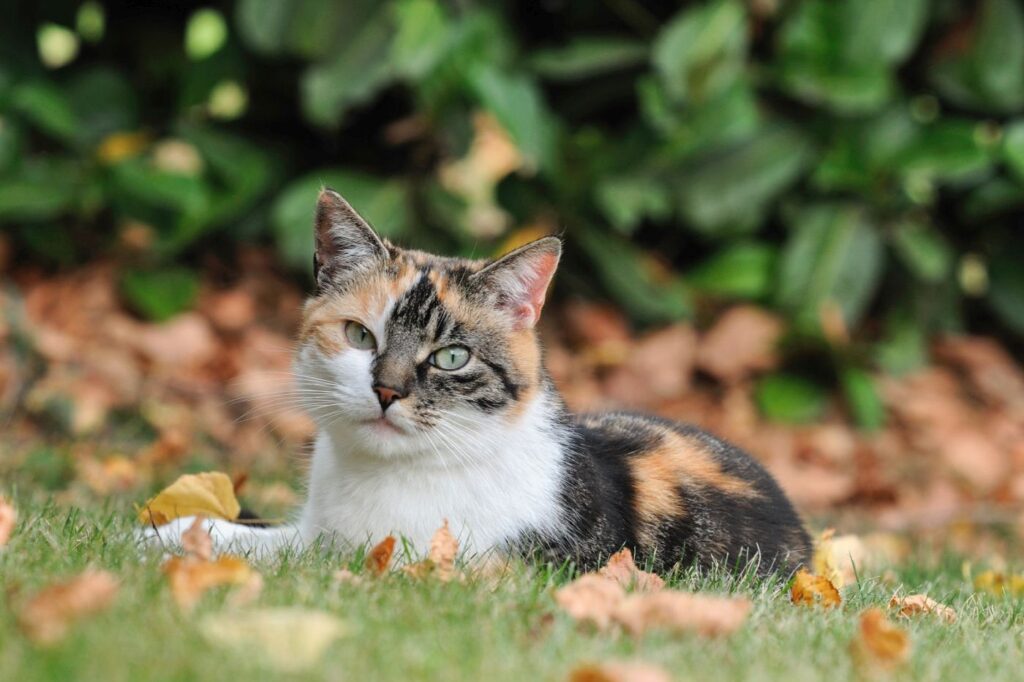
(168, 536)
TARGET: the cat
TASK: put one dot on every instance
(425, 377)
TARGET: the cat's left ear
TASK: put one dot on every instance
(520, 279)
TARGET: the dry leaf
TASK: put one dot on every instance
(196, 541)
(880, 642)
(46, 617)
(1000, 583)
(839, 558)
(288, 639)
(209, 494)
(379, 558)
(190, 578)
(921, 603)
(249, 592)
(591, 598)
(741, 342)
(620, 671)
(8, 517)
(343, 575)
(443, 550)
(809, 590)
(682, 612)
(622, 569)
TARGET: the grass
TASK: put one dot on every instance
(405, 630)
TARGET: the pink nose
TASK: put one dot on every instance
(386, 396)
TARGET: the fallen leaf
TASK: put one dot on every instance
(999, 583)
(880, 642)
(210, 494)
(443, 550)
(743, 341)
(591, 598)
(343, 575)
(620, 671)
(190, 578)
(47, 616)
(682, 612)
(915, 604)
(622, 569)
(379, 558)
(809, 590)
(8, 517)
(838, 558)
(287, 639)
(196, 541)
(248, 592)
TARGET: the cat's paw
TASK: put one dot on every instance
(168, 536)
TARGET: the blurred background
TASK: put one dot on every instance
(799, 223)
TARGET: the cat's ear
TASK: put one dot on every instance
(345, 243)
(520, 279)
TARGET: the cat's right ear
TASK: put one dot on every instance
(345, 243)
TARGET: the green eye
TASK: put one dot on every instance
(450, 357)
(359, 336)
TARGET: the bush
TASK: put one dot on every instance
(839, 160)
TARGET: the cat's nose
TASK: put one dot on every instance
(387, 395)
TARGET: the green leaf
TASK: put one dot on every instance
(384, 203)
(586, 57)
(947, 151)
(700, 53)
(424, 36)
(352, 76)
(904, 348)
(733, 186)
(862, 398)
(160, 294)
(103, 103)
(850, 90)
(988, 74)
(625, 273)
(790, 398)
(517, 103)
(626, 200)
(47, 108)
(33, 200)
(263, 24)
(1006, 289)
(923, 250)
(881, 31)
(1013, 148)
(833, 254)
(743, 270)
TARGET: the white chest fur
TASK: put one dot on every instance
(502, 484)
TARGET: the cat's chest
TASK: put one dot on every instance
(487, 503)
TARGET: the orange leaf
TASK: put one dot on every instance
(682, 612)
(620, 671)
(809, 590)
(46, 617)
(623, 570)
(443, 549)
(190, 578)
(196, 541)
(379, 558)
(8, 517)
(921, 603)
(880, 642)
(591, 598)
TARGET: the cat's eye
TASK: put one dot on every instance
(359, 336)
(450, 357)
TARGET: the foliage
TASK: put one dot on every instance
(839, 160)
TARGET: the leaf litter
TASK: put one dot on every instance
(48, 615)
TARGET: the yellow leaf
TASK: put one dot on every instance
(190, 577)
(287, 639)
(48, 615)
(809, 590)
(118, 146)
(999, 583)
(208, 494)
(880, 642)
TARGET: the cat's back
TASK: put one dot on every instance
(677, 493)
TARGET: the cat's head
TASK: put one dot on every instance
(402, 352)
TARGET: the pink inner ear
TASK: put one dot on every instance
(535, 285)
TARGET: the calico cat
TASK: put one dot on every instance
(425, 377)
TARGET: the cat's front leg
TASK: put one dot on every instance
(228, 537)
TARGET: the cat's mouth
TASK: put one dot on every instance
(383, 425)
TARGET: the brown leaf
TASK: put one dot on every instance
(190, 578)
(343, 575)
(443, 550)
(809, 590)
(622, 569)
(196, 541)
(915, 604)
(682, 612)
(8, 517)
(741, 342)
(48, 615)
(880, 642)
(591, 598)
(379, 558)
(620, 671)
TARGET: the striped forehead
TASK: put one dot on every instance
(427, 307)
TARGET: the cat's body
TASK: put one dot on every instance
(425, 377)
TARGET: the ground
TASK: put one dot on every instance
(401, 629)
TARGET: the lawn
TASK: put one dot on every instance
(511, 629)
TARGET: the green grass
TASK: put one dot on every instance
(405, 630)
